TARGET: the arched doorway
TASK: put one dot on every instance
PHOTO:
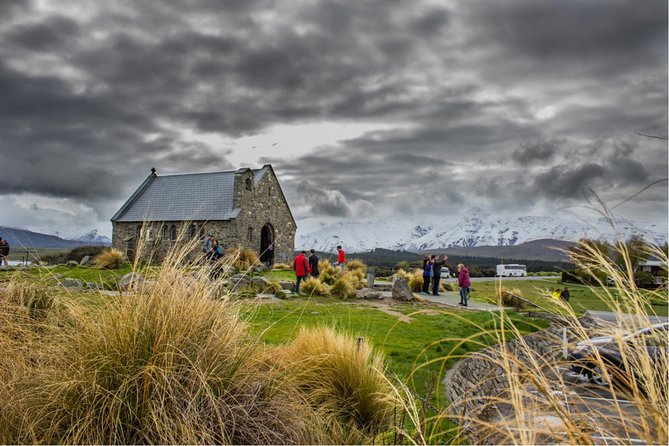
(267, 245)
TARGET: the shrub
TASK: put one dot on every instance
(327, 272)
(282, 267)
(80, 252)
(343, 380)
(313, 286)
(357, 278)
(511, 298)
(110, 258)
(400, 273)
(415, 280)
(356, 265)
(343, 287)
(241, 258)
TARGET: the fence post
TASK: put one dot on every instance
(371, 275)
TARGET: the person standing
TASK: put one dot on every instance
(427, 274)
(341, 258)
(313, 263)
(464, 283)
(207, 246)
(4, 251)
(436, 273)
(301, 268)
(564, 295)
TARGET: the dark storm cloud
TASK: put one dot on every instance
(538, 151)
(107, 91)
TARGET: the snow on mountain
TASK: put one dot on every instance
(94, 237)
(474, 228)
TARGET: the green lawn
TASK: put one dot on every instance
(582, 297)
(51, 276)
(433, 334)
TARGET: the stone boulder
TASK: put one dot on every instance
(287, 285)
(69, 282)
(401, 290)
(260, 283)
(240, 281)
(130, 280)
(261, 268)
(85, 261)
(368, 293)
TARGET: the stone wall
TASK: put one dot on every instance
(261, 204)
(475, 380)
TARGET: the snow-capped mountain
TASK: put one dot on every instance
(474, 227)
(94, 237)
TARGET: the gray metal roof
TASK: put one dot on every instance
(189, 197)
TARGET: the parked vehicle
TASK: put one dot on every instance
(511, 270)
(445, 273)
(651, 341)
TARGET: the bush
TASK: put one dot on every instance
(241, 258)
(415, 281)
(313, 286)
(400, 273)
(343, 381)
(511, 298)
(110, 258)
(343, 287)
(356, 265)
(83, 251)
(327, 272)
(282, 267)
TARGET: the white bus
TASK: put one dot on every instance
(511, 270)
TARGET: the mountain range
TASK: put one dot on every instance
(20, 239)
(475, 228)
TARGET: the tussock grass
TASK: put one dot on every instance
(241, 258)
(109, 259)
(282, 266)
(314, 287)
(356, 265)
(400, 273)
(344, 287)
(344, 381)
(415, 280)
(327, 272)
(537, 403)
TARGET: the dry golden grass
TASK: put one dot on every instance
(400, 273)
(241, 258)
(282, 266)
(314, 287)
(109, 259)
(327, 272)
(415, 280)
(344, 381)
(356, 265)
(344, 287)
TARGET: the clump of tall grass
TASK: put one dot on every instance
(314, 287)
(109, 259)
(356, 265)
(344, 381)
(400, 273)
(532, 400)
(282, 267)
(343, 287)
(415, 280)
(511, 298)
(327, 272)
(241, 258)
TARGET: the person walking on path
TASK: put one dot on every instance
(301, 268)
(4, 251)
(464, 283)
(427, 274)
(313, 263)
(341, 258)
(436, 273)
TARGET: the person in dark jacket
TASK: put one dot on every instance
(313, 263)
(436, 273)
(4, 251)
(564, 295)
(301, 267)
(427, 275)
(464, 283)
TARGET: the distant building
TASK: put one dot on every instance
(656, 268)
(242, 208)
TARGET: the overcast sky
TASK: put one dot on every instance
(364, 108)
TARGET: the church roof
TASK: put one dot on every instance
(184, 197)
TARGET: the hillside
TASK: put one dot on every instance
(21, 239)
(544, 249)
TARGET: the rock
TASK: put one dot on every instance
(261, 268)
(287, 285)
(261, 283)
(69, 282)
(94, 286)
(130, 280)
(240, 281)
(368, 293)
(401, 290)
(71, 263)
(86, 261)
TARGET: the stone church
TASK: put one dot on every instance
(242, 208)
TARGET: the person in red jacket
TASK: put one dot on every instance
(341, 258)
(464, 283)
(301, 267)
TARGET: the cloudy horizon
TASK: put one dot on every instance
(365, 109)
